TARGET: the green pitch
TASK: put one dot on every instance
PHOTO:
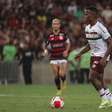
(20, 98)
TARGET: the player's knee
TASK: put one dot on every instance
(100, 76)
(56, 73)
(61, 73)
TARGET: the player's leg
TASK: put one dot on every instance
(25, 74)
(87, 75)
(109, 96)
(55, 69)
(62, 73)
(99, 87)
(81, 76)
(101, 78)
(104, 92)
(72, 77)
(94, 73)
(107, 91)
(93, 78)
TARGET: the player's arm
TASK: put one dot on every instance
(84, 50)
(45, 50)
(45, 46)
(109, 49)
(68, 45)
(108, 52)
(65, 53)
(107, 37)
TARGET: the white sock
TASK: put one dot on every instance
(102, 93)
(108, 94)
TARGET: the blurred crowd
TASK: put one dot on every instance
(27, 22)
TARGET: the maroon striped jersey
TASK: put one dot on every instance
(56, 45)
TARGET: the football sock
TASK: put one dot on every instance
(63, 78)
(57, 82)
(102, 93)
(108, 94)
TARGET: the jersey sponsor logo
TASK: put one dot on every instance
(51, 35)
(91, 35)
(56, 38)
(52, 38)
(61, 37)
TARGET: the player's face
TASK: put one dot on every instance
(88, 15)
(56, 24)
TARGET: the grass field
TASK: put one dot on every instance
(21, 98)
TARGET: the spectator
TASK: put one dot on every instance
(9, 64)
(26, 61)
(3, 40)
(107, 13)
(9, 52)
(72, 8)
(19, 18)
(84, 68)
(73, 66)
(79, 13)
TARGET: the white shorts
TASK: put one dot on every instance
(56, 62)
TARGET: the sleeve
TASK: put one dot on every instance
(46, 42)
(104, 32)
(67, 40)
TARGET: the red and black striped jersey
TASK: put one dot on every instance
(56, 45)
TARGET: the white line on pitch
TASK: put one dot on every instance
(12, 95)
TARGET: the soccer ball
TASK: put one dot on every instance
(57, 102)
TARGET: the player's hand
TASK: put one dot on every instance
(103, 61)
(65, 53)
(45, 53)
